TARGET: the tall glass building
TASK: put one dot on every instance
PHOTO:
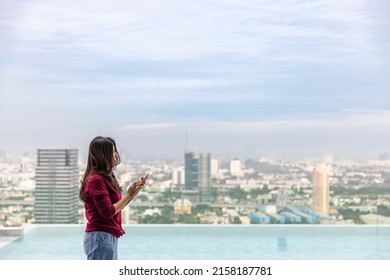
(57, 186)
(197, 177)
(204, 177)
(191, 171)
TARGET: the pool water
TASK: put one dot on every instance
(206, 242)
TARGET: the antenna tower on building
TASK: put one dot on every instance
(186, 140)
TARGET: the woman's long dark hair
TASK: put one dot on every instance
(101, 160)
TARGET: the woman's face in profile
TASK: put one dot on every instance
(114, 156)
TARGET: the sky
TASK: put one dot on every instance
(229, 77)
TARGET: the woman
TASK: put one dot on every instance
(103, 200)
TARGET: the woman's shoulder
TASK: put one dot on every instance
(95, 177)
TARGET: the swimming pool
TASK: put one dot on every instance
(204, 242)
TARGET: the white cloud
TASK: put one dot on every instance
(80, 60)
(362, 121)
(349, 119)
(176, 30)
(147, 126)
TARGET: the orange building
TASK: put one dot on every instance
(321, 196)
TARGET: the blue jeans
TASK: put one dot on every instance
(100, 245)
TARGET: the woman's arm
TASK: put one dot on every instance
(120, 204)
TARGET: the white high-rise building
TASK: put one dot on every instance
(57, 186)
(236, 166)
(178, 176)
(214, 167)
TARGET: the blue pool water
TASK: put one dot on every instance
(203, 242)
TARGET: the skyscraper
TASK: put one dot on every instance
(191, 171)
(321, 197)
(197, 177)
(214, 167)
(236, 166)
(204, 177)
(57, 186)
(178, 176)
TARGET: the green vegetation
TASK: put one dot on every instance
(188, 219)
(170, 195)
(201, 208)
(238, 194)
(383, 210)
(350, 214)
(256, 192)
(157, 219)
(372, 191)
(164, 218)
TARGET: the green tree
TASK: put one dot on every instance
(383, 210)
(157, 219)
(188, 219)
(238, 193)
(201, 208)
(350, 214)
(256, 192)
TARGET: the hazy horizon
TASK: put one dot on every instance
(301, 78)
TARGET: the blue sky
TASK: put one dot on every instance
(245, 77)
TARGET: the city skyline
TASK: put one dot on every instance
(232, 77)
(335, 191)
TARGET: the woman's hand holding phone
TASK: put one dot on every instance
(136, 186)
(145, 177)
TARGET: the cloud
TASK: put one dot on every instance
(361, 121)
(251, 140)
(176, 30)
(147, 126)
(244, 70)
